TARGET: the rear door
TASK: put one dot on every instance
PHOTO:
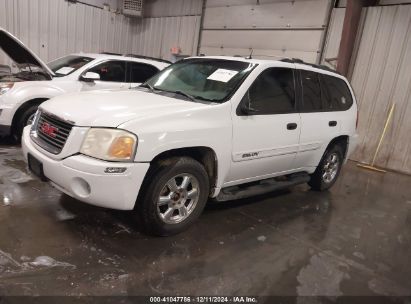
(319, 125)
(112, 76)
(139, 72)
(265, 141)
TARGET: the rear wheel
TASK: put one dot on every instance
(25, 118)
(173, 196)
(328, 170)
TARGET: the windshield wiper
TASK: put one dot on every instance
(192, 98)
(148, 86)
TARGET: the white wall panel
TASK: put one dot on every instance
(271, 28)
(299, 14)
(114, 4)
(155, 36)
(172, 8)
(389, 2)
(264, 43)
(381, 76)
(54, 28)
(221, 3)
(332, 43)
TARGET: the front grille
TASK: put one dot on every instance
(51, 133)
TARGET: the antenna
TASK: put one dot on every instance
(251, 54)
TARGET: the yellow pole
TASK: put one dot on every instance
(387, 122)
(383, 133)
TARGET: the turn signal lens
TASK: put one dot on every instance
(122, 147)
(4, 87)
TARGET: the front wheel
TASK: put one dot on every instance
(328, 170)
(173, 196)
(25, 119)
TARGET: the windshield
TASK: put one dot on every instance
(204, 79)
(67, 65)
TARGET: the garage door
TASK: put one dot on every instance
(268, 28)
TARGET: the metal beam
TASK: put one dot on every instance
(349, 33)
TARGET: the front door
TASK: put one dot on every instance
(112, 76)
(266, 128)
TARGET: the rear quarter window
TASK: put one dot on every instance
(140, 72)
(312, 101)
(336, 94)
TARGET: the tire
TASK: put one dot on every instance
(328, 170)
(22, 121)
(164, 208)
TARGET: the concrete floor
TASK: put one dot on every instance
(353, 240)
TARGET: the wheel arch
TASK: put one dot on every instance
(23, 107)
(342, 141)
(204, 155)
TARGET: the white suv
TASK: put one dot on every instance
(205, 127)
(34, 81)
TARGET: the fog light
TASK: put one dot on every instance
(80, 187)
(115, 170)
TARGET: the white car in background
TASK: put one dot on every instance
(34, 82)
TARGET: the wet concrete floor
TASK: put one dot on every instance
(352, 240)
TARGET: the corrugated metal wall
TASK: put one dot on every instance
(381, 76)
(269, 28)
(167, 24)
(53, 28)
(155, 36)
(172, 8)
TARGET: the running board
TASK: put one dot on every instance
(262, 187)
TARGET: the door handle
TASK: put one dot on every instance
(332, 123)
(291, 126)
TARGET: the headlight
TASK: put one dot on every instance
(4, 87)
(109, 144)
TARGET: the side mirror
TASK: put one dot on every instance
(90, 77)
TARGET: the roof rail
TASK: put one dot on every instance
(110, 53)
(318, 66)
(148, 58)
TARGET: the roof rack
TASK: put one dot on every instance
(110, 53)
(148, 58)
(318, 66)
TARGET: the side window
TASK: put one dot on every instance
(336, 94)
(272, 92)
(311, 92)
(140, 72)
(113, 71)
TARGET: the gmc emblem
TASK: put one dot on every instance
(49, 130)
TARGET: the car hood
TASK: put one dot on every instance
(113, 108)
(19, 53)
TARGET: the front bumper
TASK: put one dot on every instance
(83, 177)
(6, 118)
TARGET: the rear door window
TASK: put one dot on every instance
(311, 92)
(272, 92)
(336, 94)
(140, 72)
